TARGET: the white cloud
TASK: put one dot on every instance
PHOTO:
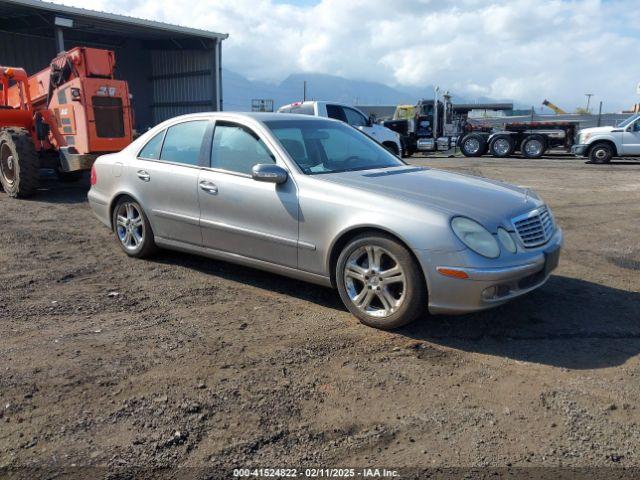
(527, 50)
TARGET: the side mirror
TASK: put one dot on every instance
(371, 120)
(269, 172)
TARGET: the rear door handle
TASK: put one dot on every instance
(209, 187)
(144, 176)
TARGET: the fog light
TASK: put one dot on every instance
(489, 293)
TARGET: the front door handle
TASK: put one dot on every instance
(209, 187)
(144, 176)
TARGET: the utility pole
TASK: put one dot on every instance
(588, 95)
(304, 91)
(436, 90)
(600, 114)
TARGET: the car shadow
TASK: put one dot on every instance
(52, 190)
(615, 162)
(310, 292)
(568, 323)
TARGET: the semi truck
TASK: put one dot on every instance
(432, 125)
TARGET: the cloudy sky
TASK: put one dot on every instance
(526, 50)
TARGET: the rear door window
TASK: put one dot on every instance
(183, 142)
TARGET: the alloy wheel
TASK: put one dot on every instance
(130, 226)
(375, 281)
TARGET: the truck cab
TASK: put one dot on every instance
(601, 144)
(350, 115)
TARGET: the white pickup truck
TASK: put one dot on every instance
(350, 115)
(601, 144)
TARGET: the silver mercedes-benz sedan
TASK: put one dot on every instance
(318, 200)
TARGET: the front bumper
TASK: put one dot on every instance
(489, 285)
(579, 150)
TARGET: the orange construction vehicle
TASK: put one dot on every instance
(61, 118)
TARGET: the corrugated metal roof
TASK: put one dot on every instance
(110, 21)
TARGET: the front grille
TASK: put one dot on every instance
(109, 116)
(534, 228)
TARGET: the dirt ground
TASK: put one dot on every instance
(183, 361)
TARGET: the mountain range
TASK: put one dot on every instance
(238, 91)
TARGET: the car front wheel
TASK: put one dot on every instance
(380, 282)
(601, 153)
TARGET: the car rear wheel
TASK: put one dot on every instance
(380, 282)
(601, 153)
(132, 229)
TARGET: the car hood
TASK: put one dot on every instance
(490, 202)
(596, 130)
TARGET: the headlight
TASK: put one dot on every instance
(585, 137)
(475, 236)
(506, 240)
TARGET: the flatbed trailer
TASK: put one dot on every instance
(530, 139)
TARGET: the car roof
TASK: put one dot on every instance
(258, 116)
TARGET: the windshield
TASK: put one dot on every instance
(322, 146)
(628, 121)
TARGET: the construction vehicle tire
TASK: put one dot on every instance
(502, 146)
(19, 163)
(473, 145)
(534, 146)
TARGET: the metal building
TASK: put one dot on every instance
(171, 70)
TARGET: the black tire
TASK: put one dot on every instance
(473, 145)
(147, 246)
(411, 294)
(69, 177)
(601, 153)
(19, 163)
(534, 146)
(392, 147)
(502, 146)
